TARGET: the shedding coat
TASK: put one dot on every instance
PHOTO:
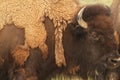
(30, 15)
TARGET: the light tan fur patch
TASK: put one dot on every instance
(74, 69)
(116, 35)
(20, 54)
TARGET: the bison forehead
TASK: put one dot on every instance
(93, 10)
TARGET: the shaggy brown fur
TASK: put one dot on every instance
(20, 55)
(10, 37)
(29, 14)
(87, 61)
(91, 11)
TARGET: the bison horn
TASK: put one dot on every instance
(81, 22)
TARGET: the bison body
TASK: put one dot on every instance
(10, 37)
(89, 52)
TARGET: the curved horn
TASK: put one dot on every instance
(81, 22)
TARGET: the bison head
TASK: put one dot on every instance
(91, 42)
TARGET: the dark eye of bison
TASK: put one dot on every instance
(94, 36)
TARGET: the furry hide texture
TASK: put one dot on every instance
(30, 14)
(91, 53)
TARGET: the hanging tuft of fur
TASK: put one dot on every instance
(30, 15)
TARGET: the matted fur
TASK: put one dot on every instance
(29, 14)
(20, 54)
(91, 61)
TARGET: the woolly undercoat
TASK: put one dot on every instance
(30, 14)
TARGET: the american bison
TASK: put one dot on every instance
(89, 42)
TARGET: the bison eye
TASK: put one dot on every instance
(96, 37)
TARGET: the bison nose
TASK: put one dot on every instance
(114, 62)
